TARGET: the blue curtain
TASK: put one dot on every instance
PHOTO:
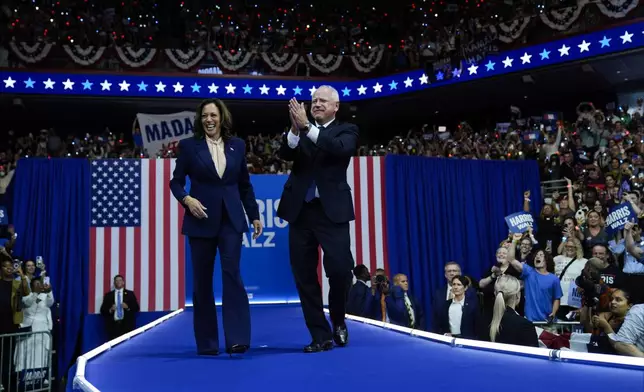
(441, 210)
(51, 216)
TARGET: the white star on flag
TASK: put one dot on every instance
(507, 62)
(160, 87)
(178, 88)
(584, 46)
(49, 84)
(105, 85)
(9, 83)
(423, 79)
(473, 69)
(362, 90)
(627, 37)
(264, 90)
(213, 88)
(69, 85)
(377, 88)
(408, 82)
(525, 59)
(312, 90)
(230, 89)
(125, 86)
(281, 90)
(563, 51)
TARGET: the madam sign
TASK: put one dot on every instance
(164, 130)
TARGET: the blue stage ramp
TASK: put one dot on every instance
(163, 358)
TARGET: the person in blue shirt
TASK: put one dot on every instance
(542, 286)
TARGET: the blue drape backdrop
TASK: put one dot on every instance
(51, 216)
(441, 210)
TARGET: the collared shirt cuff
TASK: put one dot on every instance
(292, 139)
(313, 133)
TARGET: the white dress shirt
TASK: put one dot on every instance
(216, 148)
(456, 316)
(313, 133)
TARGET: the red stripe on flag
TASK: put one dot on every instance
(152, 255)
(122, 253)
(167, 254)
(371, 223)
(182, 259)
(383, 206)
(136, 283)
(92, 270)
(357, 208)
(107, 259)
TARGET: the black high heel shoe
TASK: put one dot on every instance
(237, 349)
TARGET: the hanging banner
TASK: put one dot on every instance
(163, 131)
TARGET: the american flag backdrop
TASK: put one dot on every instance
(135, 231)
(366, 177)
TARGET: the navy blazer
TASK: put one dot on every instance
(233, 191)
(360, 301)
(324, 162)
(397, 311)
(469, 319)
(439, 301)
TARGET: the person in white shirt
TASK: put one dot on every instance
(33, 352)
(568, 266)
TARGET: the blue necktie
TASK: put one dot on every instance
(119, 305)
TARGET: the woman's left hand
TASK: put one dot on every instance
(257, 225)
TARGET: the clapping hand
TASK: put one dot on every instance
(297, 112)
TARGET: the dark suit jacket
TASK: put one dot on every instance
(215, 193)
(361, 301)
(129, 314)
(516, 330)
(324, 162)
(439, 302)
(397, 311)
(469, 320)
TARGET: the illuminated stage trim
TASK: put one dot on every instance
(581, 47)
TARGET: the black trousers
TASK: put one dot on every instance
(235, 306)
(312, 229)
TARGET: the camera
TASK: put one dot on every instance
(381, 279)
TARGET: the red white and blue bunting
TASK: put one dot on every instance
(187, 59)
(233, 61)
(135, 58)
(84, 56)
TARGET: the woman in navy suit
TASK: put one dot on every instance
(460, 316)
(220, 190)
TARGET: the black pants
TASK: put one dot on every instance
(312, 229)
(235, 306)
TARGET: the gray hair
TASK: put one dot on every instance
(334, 93)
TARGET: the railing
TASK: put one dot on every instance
(550, 187)
(25, 362)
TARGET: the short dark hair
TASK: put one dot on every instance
(360, 270)
(118, 276)
(225, 119)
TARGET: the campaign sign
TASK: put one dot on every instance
(4, 218)
(265, 264)
(618, 217)
(519, 222)
(159, 130)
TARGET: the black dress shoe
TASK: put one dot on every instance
(316, 347)
(341, 335)
(237, 349)
(212, 353)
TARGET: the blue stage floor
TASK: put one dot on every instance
(164, 359)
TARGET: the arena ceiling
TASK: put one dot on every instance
(486, 102)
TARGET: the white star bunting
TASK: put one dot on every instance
(69, 85)
(584, 46)
(525, 59)
(9, 83)
(507, 62)
(473, 69)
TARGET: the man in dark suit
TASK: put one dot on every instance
(220, 190)
(402, 308)
(318, 205)
(362, 299)
(119, 308)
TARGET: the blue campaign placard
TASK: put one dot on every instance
(618, 217)
(265, 265)
(519, 222)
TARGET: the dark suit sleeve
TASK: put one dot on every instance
(132, 302)
(343, 144)
(527, 335)
(178, 181)
(107, 304)
(246, 191)
(396, 306)
(285, 152)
